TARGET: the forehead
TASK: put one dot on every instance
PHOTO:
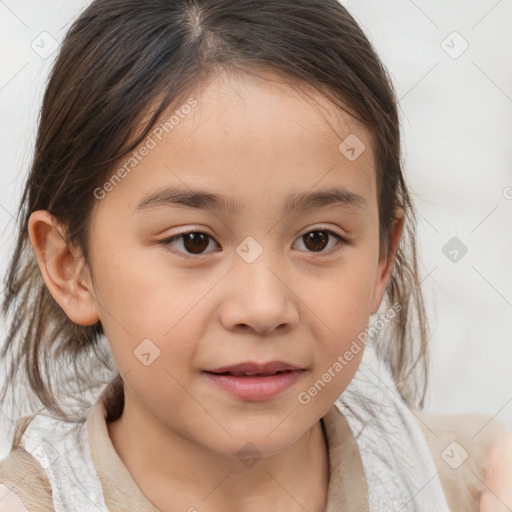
(262, 106)
(244, 136)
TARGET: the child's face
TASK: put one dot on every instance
(256, 291)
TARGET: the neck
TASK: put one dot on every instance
(175, 473)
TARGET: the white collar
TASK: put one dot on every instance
(400, 470)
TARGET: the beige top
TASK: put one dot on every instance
(24, 486)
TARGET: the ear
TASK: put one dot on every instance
(60, 267)
(387, 261)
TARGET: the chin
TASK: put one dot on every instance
(255, 443)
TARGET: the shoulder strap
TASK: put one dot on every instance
(23, 475)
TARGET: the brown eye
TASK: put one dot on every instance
(318, 240)
(193, 243)
(315, 240)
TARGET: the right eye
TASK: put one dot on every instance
(193, 243)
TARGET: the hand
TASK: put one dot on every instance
(497, 493)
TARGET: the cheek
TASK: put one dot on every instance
(153, 327)
(342, 307)
(148, 324)
(141, 292)
(158, 368)
(342, 301)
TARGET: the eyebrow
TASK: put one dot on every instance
(295, 202)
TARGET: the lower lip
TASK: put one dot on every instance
(254, 388)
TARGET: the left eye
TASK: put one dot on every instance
(196, 242)
(317, 240)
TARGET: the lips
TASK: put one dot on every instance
(255, 369)
(253, 382)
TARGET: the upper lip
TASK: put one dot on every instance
(252, 368)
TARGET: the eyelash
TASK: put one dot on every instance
(167, 242)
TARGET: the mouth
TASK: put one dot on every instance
(250, 368)
(249, 374)
(255, 381)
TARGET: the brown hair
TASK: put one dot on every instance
(123, 59)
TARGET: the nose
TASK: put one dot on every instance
(259, 297)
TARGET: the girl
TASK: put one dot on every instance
(215, 211)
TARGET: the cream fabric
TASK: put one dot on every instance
(62, 450)
(22, 475)
(399, 468)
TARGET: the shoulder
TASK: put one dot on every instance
(27, 473)
(460, 445)
(24, 485)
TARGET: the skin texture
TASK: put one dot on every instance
(256, 141)
(497, 493)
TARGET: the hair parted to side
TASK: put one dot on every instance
(125, 63)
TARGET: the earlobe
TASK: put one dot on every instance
(387, 261)
(60, 269)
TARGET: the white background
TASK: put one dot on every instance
(457, 132)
